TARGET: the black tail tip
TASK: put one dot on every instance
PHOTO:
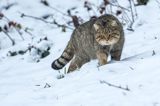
(53, 65)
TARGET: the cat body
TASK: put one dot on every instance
(95, 39)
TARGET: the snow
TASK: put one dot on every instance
(24, 82)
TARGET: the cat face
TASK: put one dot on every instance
(107, 32)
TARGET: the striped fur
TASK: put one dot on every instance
(66, 56)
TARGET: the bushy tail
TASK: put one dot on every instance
(66, 56)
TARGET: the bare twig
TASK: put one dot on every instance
(132, 14)
(131, 68)
(119, 7)
(47, 85)
(115, 86)
(20, 33)
(74, 18)
(125, 17)
(135, 10)
(41, 19)
(13, 42)
(59, 11)
(8, 6)
(62, 26)
(45, 3)
(27, 31)
(36, 18)
(153, 53)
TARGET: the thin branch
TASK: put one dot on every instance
(19, 33)
(126, 17)
(45, 3)
(74, 18)
(59, 11)
(136, 14)
(119, 7)
(115, 86)
(27, 31)
(36, 18)
(131, 10)
(41, 19)
(6, 18)
(13, 42)
(153, 53)
(132, 15)
(47, 85)
(131, 68)
(8, 6)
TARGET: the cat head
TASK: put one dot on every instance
(106, 31)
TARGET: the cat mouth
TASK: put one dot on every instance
(107, 42)
(103, 42)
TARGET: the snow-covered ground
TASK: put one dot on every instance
(24, 82)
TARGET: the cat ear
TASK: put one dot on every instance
(114, 23)
(96, 26)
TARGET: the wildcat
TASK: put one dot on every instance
(95, 39)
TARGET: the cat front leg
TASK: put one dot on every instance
(116, 55)
(116, 52)
(102, 57)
